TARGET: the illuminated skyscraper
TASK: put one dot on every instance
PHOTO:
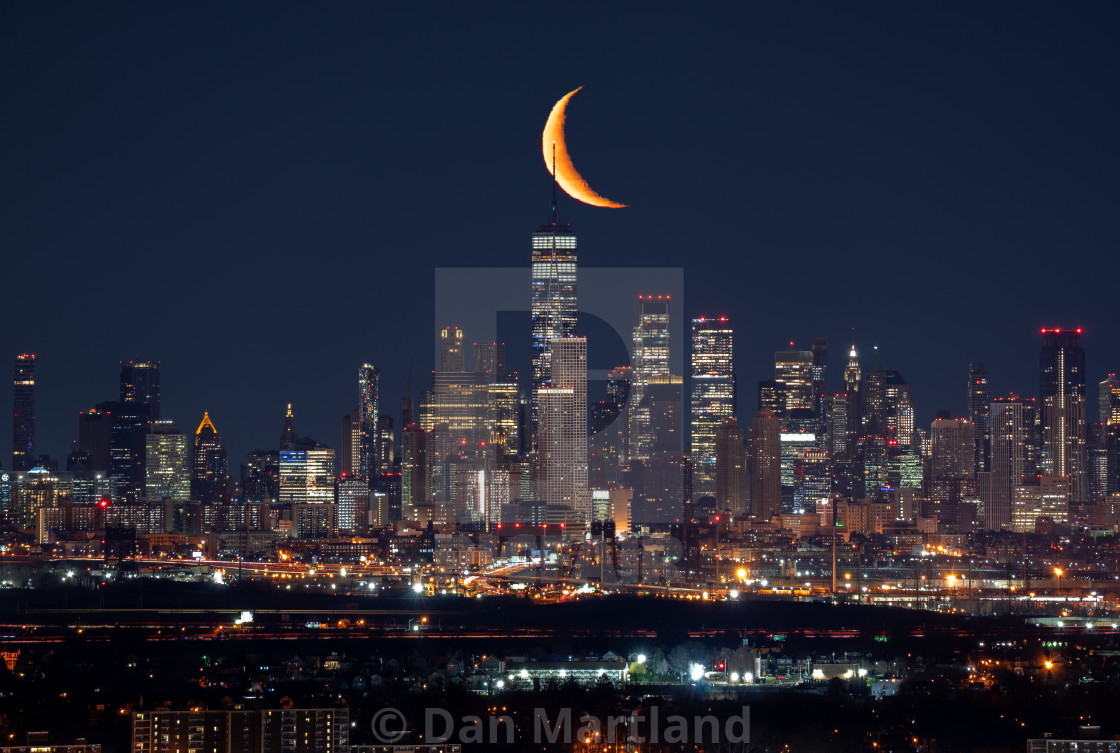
(979, 414)
(451, 355)
(553, 304)
(209, 464)
(140, 384)
(369, 388)
(651, 359)
(562, 442)
(899, 398)
(1062, 392)
(168, 463)
(793, 370)
(307, 474)
(853, 385)
(23, 413)
(713, 396)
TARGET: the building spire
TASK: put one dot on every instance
(554, 220)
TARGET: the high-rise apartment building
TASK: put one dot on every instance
(369, 390)
(650, 359)
(713, 396)
(168, 463)
(140, 384)
(1015, 438)
(979, 413)
(23, 413)
(562, 443)
(1062, 393)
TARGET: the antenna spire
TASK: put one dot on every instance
(554, 221)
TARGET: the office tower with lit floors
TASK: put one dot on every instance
(1062, 394)
(553, 304)
(713, 396)
(23, 413)
(650, 359)
(562, 442)
(168, 464)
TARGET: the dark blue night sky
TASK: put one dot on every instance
(258, 195)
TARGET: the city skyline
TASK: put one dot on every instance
(763, 167)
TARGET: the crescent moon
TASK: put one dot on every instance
(566, 174)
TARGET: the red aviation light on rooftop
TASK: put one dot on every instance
(723, 318)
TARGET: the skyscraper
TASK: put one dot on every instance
(23, 413)
(369, 387)
(853, 385)
(1108, 400)
(553, 304)
(451, 355)
(140, 384)
(979, 414)
(766, 466)
(168, 464)
(209, 464)
(651, 359)
(713, 396)
(562, 444)
(875, 397)
(128, 429)
(952, 468)
(793, 370)
(1062, 392)
(899, 399)
(660, 486)
(349, 458)
(820, 374)
(731, 469)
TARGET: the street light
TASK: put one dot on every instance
(1058, 579)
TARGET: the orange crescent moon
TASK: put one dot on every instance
(566, 174)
